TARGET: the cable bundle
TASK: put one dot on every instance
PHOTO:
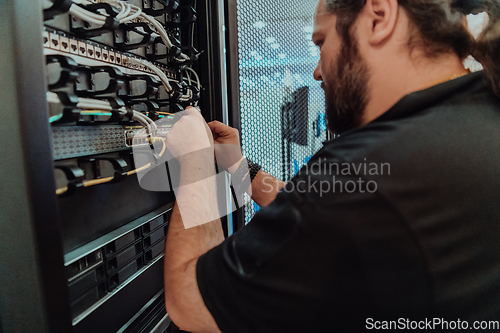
(127, 13)
(96, 107)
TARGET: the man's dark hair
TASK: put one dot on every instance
(439, 27)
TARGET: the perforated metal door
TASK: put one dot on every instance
(282, 106)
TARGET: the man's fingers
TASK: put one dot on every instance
(216, 126)
(191, 110)
(221, 129)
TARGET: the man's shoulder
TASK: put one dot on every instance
(452, 124)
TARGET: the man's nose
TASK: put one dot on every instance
(317, 74)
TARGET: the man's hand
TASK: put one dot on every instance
(224, 134)
(190, 134)
(227, 144)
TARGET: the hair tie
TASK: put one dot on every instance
(469, 6)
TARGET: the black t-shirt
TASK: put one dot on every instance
(396, 219)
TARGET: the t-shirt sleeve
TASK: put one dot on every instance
(316, 259)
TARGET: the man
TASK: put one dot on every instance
(398, 217)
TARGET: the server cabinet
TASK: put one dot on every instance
(81, 242)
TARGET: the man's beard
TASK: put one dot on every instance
(346, 94)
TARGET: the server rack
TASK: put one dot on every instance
(90, 261)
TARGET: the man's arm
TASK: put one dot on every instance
(196, 205)
(264, 187)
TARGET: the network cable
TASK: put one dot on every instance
(127, 13)
(163, 78)
(189, 69)
(97, 107)
(93, 182)
(198, 84)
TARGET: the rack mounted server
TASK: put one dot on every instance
(82, 80)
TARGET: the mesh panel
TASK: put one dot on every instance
(282, 107)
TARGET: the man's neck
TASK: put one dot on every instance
(392, 80)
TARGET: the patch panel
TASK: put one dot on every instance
(101, 52)
(90, 140)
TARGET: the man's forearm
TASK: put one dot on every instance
(190, 233)
(265, 188)
(196, 202)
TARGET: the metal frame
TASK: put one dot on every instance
(233, 86)
(33, 295)
(213, 71)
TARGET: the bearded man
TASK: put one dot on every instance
(415, 247)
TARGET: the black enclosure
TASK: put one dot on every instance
(78, 252)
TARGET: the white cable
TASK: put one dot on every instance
(133, 16)
(97, 16)
(53, 98)
(87, 19)
(95, 104)
(83, 103)
(156, 70)
(82, 2)
(146, 122)
(86, 103)
(143, 118)
(125, 12)
(86, 13)
(189, 69)
(94, 107)
(122, 9)
(152, 123)
(91, 101)
(159, 28)
(188, 97)
(196, 76)
(138, 117)
(94, 101)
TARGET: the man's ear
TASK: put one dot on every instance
(382, 16)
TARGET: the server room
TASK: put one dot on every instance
(249, 166)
